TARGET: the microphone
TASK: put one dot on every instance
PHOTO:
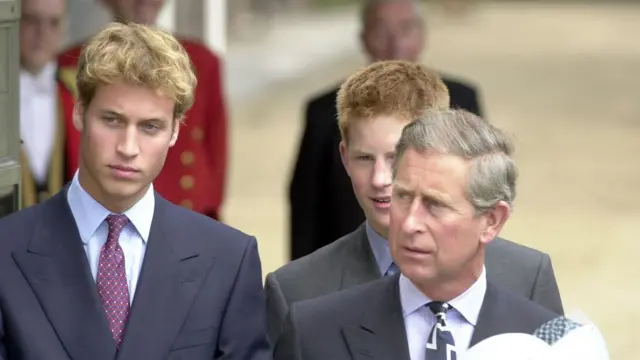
(555, 329)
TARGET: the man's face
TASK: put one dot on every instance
(138, 11)
(394, 31)
(127, 131)
(368, 158)
(435, 233)
(41, 32)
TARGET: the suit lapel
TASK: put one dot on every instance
(381, 333)
(56, 267)
(491, 319)
(172, 272)
(360, 264)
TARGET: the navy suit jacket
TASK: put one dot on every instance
(199, 296)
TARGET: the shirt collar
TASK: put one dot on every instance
(89, 213)
(43, 82)
(468, 303)
(380, 248)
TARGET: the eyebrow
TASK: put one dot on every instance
(122, 116)
(363, 152)
(434, 196)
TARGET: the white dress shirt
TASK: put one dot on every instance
(38, 118)
(90, 218)
(419, 319)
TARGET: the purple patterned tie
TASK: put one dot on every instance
(112, 279)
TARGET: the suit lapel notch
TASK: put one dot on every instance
(172, 273)
(361, 342)
(380, 333)
(56, 268)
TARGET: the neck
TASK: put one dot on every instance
(110, 202)
(447, 289)
(381, 230)
(33, 70)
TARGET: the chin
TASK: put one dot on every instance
(418, 273)
(123, 189)
(378, 220)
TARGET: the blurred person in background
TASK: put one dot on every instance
(194, 175)
(322, 204)
(42, 28)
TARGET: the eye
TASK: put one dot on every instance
(364, 157)
(402, 195)
(435, 207)
(110, 119)
(150, 127)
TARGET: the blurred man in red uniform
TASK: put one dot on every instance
(195, 170)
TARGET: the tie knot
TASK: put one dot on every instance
(116, 223)
(439, 308)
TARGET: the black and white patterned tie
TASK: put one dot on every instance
(440, 345)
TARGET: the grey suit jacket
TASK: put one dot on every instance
(348, 325)
(349, 261)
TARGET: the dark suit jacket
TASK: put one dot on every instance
(366, 322)
(349, 262)
(322, 204)
(199, 296)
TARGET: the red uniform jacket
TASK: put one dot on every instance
(195, 171)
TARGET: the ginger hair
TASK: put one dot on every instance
(138, 55)
(395, 88)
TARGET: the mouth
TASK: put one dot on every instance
(382, 200)
(418, 252)
(124, 172)
(124, 168)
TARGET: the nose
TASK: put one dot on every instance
(381, 174)
(128, 146)
(412, 222)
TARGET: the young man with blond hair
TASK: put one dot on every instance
(108, 267)
(374, 105)
(195, 170)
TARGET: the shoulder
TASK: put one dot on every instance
(69, 56)
(199, 53)
(18, 227)
(508, 250)
(202, 231)
(342, 305)
(526, 311)
(326, 99)
(308, 267)
(456, 84)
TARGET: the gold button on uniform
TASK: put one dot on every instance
(186, 182)
(197, 134)
(187, 204)
(187, 158)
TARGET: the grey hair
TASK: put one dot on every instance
(493, 173)
(369, 5)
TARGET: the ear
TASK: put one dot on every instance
(494, 221)
(78, 116)
(344, 156)
(176, 131)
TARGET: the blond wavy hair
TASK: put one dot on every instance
(395, 88)
(138, 55)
